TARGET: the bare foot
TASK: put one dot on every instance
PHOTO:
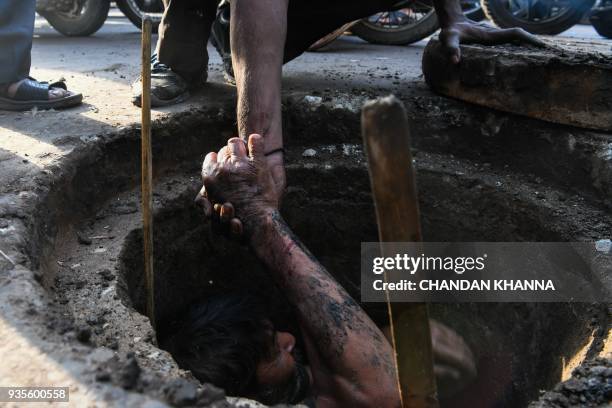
(54, 93)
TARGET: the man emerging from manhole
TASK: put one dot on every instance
(231, 342)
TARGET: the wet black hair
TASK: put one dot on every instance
(222, 339)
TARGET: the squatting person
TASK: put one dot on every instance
(229, 340)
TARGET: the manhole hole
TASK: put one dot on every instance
(520, 348)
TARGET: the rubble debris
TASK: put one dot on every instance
(590, 386)
(309, 153)
(123, 208)
(106, 274)
(130, 372)
(103, 376)
(83, 239)
(313, 100)
(83, 334)
(182, 393)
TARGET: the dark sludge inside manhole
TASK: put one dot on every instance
(519, 348)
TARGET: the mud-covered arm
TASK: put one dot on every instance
(457, 29)
(351, 361)
(355, 365)
(258, 33)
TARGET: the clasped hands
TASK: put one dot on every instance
(238, 190)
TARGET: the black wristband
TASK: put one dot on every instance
(270, 153)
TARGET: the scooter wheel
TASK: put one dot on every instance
(500, 13)
(91, 18)
(400, 35)
(131, 10)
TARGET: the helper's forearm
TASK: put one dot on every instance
(258, 32)
(346, 338)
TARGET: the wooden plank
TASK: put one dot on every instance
(147, 169)
(387, 143)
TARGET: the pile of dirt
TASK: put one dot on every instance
(590, 386)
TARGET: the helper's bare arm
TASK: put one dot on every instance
(258, 33)
(351, 361)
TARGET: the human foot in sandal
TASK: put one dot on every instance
(30, 93)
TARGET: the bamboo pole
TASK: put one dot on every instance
(386, 138)
(147, 169)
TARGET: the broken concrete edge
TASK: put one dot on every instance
(37, 211)
(558, 84)
(30, 359)
(37, 357)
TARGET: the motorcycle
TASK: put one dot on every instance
(409, 22)
(537, 16)
(74, 17)
(135, 10)
(85, 17)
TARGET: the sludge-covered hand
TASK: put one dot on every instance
(238, 188)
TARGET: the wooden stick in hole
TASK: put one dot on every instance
(147, 169)
(386, 139)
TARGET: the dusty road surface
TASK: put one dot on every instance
(69, 211)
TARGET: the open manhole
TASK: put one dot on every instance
(520, 348)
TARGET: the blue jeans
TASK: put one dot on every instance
(16, 30)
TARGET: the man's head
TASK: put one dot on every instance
(230, 341)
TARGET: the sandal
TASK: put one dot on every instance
(34, 94)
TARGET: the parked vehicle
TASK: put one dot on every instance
(135, 9)
(74, 17)
(85, 17)
(537, 16)
(410, 22)
(601, 18)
